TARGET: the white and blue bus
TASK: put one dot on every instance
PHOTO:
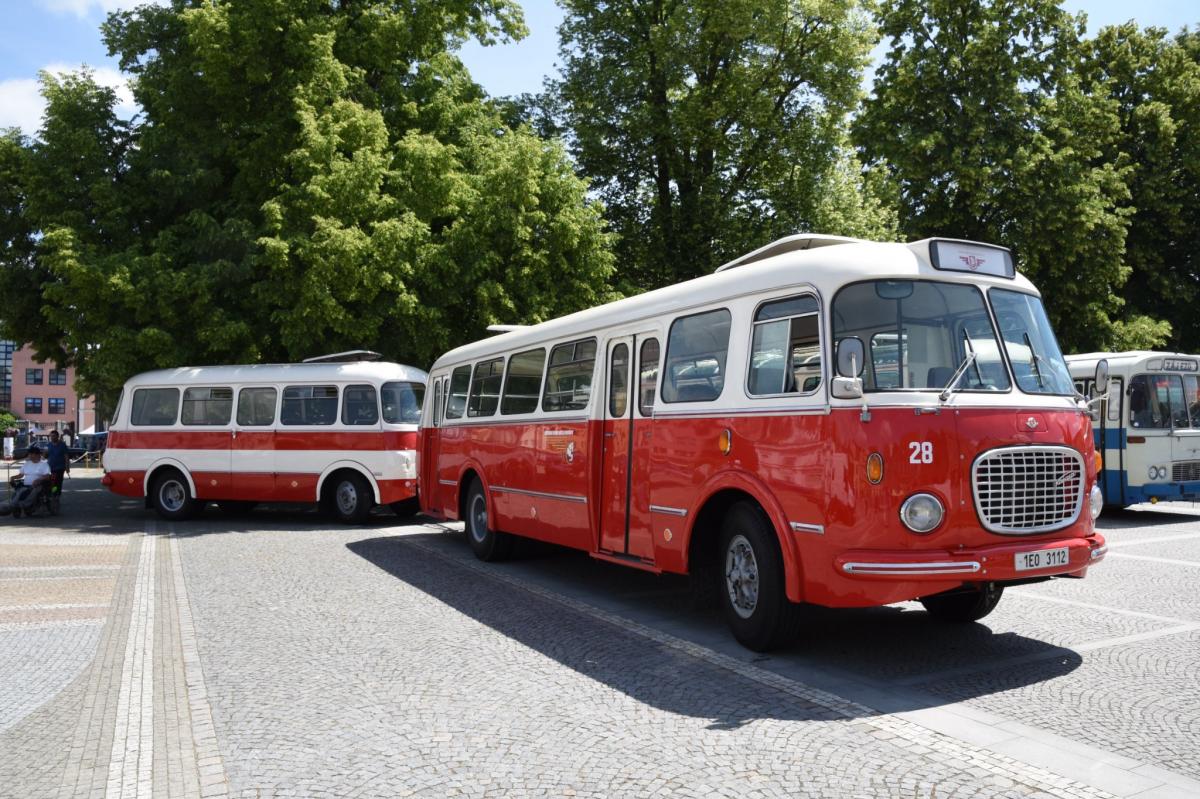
(1147, 426)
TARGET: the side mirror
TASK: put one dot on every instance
(847, 387)
(1101, 379)
(850, 362)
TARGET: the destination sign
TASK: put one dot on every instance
(969, 256)
(1179, 365)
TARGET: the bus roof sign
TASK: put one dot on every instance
(953, 255)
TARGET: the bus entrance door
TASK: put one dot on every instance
(620, 472)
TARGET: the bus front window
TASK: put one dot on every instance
(918, 332)
(1032, 350)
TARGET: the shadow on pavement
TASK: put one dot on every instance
(876, 656)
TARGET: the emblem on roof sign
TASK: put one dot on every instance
(972, 261)
(1031, 423)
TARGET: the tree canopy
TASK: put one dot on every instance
(711, 127)
(304, 177)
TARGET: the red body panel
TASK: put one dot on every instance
(804, 469)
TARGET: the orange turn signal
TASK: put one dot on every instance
(1099, 461)
(875, 468)
(725, 442)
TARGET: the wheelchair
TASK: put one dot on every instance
(49, 500)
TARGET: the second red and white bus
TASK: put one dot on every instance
(340, 434)
(703, 428)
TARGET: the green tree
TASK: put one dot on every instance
(979, 114)
(304, 177)
(710, 127)
(1154, 83)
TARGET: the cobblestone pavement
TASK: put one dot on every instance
(273, 655)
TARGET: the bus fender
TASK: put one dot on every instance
(158, 464)
(471, 465)
(352, 465)
(749, 484)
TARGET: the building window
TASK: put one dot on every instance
(58, 377)
(57, 405)
(33, 377)
(33, 405)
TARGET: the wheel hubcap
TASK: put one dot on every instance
(172, 495)
(479, 526)
(347, 498)
(741, 576)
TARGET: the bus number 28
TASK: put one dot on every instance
(920, 452)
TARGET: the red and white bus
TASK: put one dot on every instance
(341, 434)
(701, 428)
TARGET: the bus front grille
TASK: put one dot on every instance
(1185, 471)
(1027, 490)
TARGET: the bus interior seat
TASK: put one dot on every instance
(938, 376)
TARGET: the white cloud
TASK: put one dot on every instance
(21, 103)
(82, 8)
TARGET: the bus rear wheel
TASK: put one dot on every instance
(172, 497)
(487, 544)
(350, 497)
(753, 596)
(964, 604)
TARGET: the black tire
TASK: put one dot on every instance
(236, 507)
(350, 497)
(487, 544)
(964, 604)
(172, 498)
(406, 508)
(751, 579)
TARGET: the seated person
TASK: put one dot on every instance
(35, 474)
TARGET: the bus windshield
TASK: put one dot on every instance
(916, 333)
(1037, 362)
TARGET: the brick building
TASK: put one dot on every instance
(42, 393)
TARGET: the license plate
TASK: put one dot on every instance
(1043, 559)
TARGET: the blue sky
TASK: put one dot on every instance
(62, 34)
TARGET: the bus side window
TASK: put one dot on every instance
(154, 406)
(785, 356)
(402, 402)
(647, 376)
(485, 388)
(523, 382)
(569, 376)
(256, 407)
(309, 405)
(359, 405)
(202, 406)
(697, 346)
(1146, 408)
(437, 402)
(1191, 395)
(1115, 394)
(456, 399)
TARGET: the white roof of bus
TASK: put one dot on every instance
(1085, 363)
(821, 265)
(278, 373)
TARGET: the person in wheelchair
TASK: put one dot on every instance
(31, 484)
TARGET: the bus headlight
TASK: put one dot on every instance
(1157, 472)
(1096, 502)
(921, 513)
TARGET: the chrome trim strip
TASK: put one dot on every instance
(948, 567)
(544, 495)
(448, 482)
(800, 527)
(1099, 552)
(667, 510)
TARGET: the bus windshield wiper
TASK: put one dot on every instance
(1034, 360)
(958, 373)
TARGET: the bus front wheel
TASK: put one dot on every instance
(964, 605)
(172, 498)
(487, 544)
(754, 599)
